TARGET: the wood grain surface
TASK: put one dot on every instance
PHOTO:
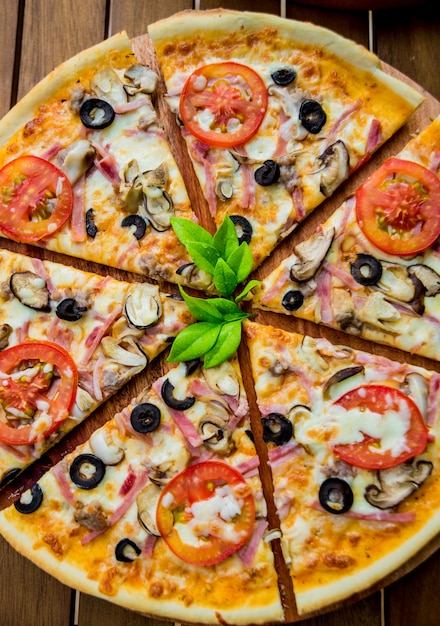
(36, 35)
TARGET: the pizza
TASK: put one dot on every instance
(162, 509)
(372, 269)
(305, 108)
(353, 446)
(253, 491)
(105, 182)
(69, 340)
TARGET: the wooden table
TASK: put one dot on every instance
(36, 35)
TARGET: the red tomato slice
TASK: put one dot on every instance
(199, 489)
(379, 399)
(234, 99)
(36, 199)
(398, 207)
(25, 393)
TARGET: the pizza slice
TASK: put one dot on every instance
(161, 510)
(353, 445)
(86, 170)
(275, 113)
(372, 269)
(68, 340)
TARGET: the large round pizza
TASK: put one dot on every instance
(282, 453)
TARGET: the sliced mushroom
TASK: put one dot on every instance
(195, 277)
(345, 313)
(427, 276)
(377, 312)
(223, 378)
(336, 167)
(107, 445)
(159, 208)
(143, 80)
(125, 351)
(5, 332)
(78, 159)
(397, 483)
(395, 282)
(164, 460)
(330, 386)
(146, 502)
(106, 85)
(216, 434)
(143, 306)
(224, 188)
(416, 386)
(83, 400)
(131, 189)
(309, 255)
(30, 289)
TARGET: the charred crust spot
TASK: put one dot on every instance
(156, 589)
(32, 127)
(54, 543)
(339, 561)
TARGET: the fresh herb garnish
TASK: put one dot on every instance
(216, 334)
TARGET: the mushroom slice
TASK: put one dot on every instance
(427, 276)
(146, 501)
(216, 434)
(195, 277)
(30, 289)
(309, 255)
(396, 283)
(106, 445)
(83, 400)
(5, 331)
(106, 85)
(397, 483)
(336, 166)
(143, 306)
(143, 80)
(338, 378)
(78, 159)
(378, 312)
(224, 188)
(223, 379)
(159, 208)
(125, 352)
(416, 386)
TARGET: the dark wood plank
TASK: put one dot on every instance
(8, 30)
(27, 594)
(93, 611)
(134, 16)
(55, 30)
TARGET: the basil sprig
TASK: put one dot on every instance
(216, 334)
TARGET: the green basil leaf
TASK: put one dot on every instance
(227, 343)
(194, 341)
(241, 261)
(225, 279)
(250, 285)
(188, 231)
(204, 256)
(226, 238)
(201, 309)
(228, 309)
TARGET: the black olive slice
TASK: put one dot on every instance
(335, 495)
(96, 113)
(268, 173)
(250, 434)
(244, 226)
(312, 116)
(69, 310)
(126, 551)
(137, 221)
(366, 270)
(277, 429)
(9, 476)
(87, 471)
(27, 505)
(91, 228)
(145, 417)
(284, 76)
(293, 300)
(170, 400)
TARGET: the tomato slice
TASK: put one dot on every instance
(373, 452)
(39, 362)
(206, 513)
(223, 104)
(36, 199)
(398, 207)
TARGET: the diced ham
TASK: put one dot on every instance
(323, 290)
(95, 337)
(344, 276)
(77, 218)
(275, 290)
(375, 516)
(335, 129)
(42, 272)
(247, 553)
(248, 466)
(60, 471)
(433, 400)
(434, 161)
(374, 136)
(133, 105)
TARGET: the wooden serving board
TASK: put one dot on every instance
(428, 110)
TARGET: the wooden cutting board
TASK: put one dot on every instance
(428, 110)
